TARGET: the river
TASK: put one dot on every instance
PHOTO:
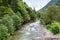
(34, 29)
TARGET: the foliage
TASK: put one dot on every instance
(54, 27)
(17, 20)
(23, 11)
(4, 35)
(51, 14)
(8, 21)
(51, 18)
(3, 10)
(13, 13)
(32, 13)
(33, 16)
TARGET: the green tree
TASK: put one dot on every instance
(4, 35)
(52, 13)
(23, 11)
(14, 13)
(9, 23)
(32, 13)
(3, 10)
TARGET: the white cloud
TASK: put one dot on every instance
(37, 4)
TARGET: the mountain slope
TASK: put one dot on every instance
(52, 2)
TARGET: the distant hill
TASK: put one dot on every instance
(52, 2)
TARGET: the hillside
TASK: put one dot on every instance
(52, 2)
(14, 13)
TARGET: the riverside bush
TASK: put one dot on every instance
(54, 27)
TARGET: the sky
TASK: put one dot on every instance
(37, 4)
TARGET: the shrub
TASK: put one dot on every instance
(9, 22)
(32, 13)
(33, 16)
(26, 16)
(23, 11)
(4, 35)
(18, 19)
(54, 27)
(2, 10)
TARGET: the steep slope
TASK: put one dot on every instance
(52, 2)
(14, 13)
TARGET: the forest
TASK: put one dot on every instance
(50, 16)
(15, 13)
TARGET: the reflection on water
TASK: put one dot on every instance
(31, 30)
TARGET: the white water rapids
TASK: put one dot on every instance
(33, 30)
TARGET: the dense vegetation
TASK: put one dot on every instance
(14, 13)
(54, 27)
(51, 18)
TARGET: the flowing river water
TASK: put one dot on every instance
(34, 29)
